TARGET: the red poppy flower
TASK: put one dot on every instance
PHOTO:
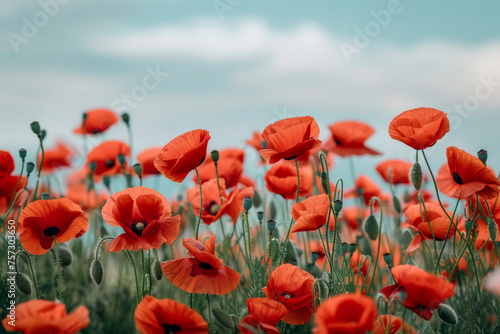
(311, 213)
(466, 175)
(97, 121)
(7, 188)
(263, 314)
(494, 205)
(390, 324)
(281, 179)
(399, 171)
(158, 316)
(348, 138)
(145, 216)
(202, 273)
(359, 263)
(213, 208)
(367, 189)
(105, 156)
(289, 138)
(419, 128)
(351, 215)
(43, 219)
(230, 167)
(256, 141)
(55, 158)
(346, 313)
(146, 158)
(292, 287)
(86, 198)
(424, 292)
(42, 316)
(417, 221)
(6, 164)
(182, 154)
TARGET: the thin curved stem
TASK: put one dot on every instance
(28, 260)
(446, 237)
(39, 168)
(60, 285)
(201, 205)
(379, 241)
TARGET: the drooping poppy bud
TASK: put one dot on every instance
(223, 318)
(447, 314)
(416, 175)
(23, 283)
(96, 271)
(371, 227)
(35, 127)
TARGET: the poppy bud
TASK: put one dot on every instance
(397, 204)
(138, 169)
(157, 270)
(215, 156)
(351, 248)
(493, 229)
(126, 118)
(65, 255)
(247, 203)
(96, 271)
(257, 200)
(371, 227)
(43, 134)
(106, 180)
(416, 175)
(121, 159)
(483, 156)
(260, 216)
(30, 167)
(179, 196)
(35, 127)
(388, 259)
(223, 318)
(45, 196)
(22, 153)
(274, 248)
(243, 280)
(467, 225)
(264, 144)
(290, 254)
(271, 225)
(84, 116)
(406, 196)
(447, 314)
(92, 166)
(272, 210)
(343, 247)
(23, 283)
(325, 183)
(337, 206)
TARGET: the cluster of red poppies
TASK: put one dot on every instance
(334, 268)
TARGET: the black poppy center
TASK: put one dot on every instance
(51, 231)
(110, 163)
(288, 294)
(138, 225)
(168, 328)
(337, 141)
(291, 158)
(457, 178)
(206, 266)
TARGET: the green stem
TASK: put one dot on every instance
(32, 270)
(446, 237)
(291, 221)
(39, 168)
(421, 200)
(131, 259)
(379, 241)
(17, 184)
(201, 205)
(209, 314)
(60, 283)
(143, 278)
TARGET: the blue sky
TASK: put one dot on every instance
(236, 66)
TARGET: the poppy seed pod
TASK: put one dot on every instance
(121, 159)
(371, 227)
(416, 175)
(45, 196)
(483, 156)
(22, 153)
(126, 118)
(447, 314)
(30, 167)
(138, 169)
(215, 156)
(35, 127)
(247, 203)
(337, 206)
(43, 134)
(260, 216)
(106, 180)
(271, 225)
(344, 247)
(23, 283)
(92, 166)
(351, 248)
(388, 259)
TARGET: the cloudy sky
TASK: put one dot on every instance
(235, 66)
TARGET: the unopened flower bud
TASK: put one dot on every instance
(126, 118)
(121, 159)
(416, 175)
(215, 156)
(397, 204)
(371, 227)
(447, 314)
(23, 283)
(388, 259)
(157, 272)
(92, 166)
(325, 183)
(35, 127)
(43, 134)
(223, 318)
(96, 271)
(492, 228)
(106, 180)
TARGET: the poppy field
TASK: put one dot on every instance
(284, 245)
